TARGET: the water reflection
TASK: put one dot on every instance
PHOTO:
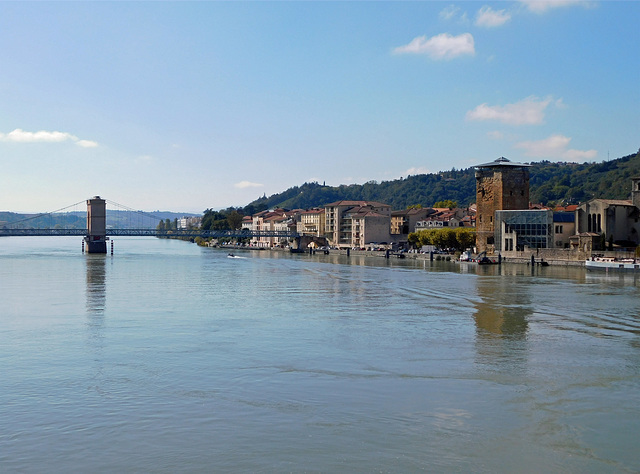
(502, 311)
(96, 295)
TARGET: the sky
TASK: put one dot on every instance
(184, 106)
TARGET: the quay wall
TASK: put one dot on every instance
(560, 257)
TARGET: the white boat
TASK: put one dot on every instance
(613, 264)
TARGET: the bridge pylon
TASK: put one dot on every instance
(96, 238)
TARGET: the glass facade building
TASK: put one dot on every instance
(517, 229)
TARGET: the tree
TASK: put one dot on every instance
(414, 239)
(235, 219)
(446, 203)
(465, 238)
(445, 238)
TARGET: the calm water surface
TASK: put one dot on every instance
(167, 357)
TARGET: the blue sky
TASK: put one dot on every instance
(185, 106)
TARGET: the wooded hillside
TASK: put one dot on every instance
(550, 183)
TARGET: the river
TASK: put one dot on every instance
(168, 357)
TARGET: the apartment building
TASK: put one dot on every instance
(311, 222)
(404, 222)
(356, 223)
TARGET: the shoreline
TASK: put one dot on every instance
(518, 260)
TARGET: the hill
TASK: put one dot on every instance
(550, 183)
(78, 220)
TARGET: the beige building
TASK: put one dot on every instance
(564, 228)
(267, 221)
(357, 223)
(616, 221)
(311, 223)
(404, 222)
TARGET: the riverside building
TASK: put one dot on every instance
(500, 185)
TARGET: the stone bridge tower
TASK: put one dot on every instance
(500, 185)
(96, 238)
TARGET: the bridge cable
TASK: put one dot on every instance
(44, 214)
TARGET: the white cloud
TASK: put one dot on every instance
(87, 143)
(449, 12)
(443, 46)
(489, 18)
(43, 136)
(418, 170)
(542, 6)
(579, 155)
(529, 111)
(495, 135)
(247, 184)
(555, 146)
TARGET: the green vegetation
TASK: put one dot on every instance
(167, 225)
(448, 203)
(459, 238)
(550, 184)
(227, 219)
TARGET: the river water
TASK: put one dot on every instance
(168, 357)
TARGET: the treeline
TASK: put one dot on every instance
(550, 184)
(459, 238)
(226, 219)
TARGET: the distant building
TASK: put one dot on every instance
(404, 222)
(247, 223)
(189, 222)
(357, 223)
(443, 217)
(500, 185)
(616, 221)
(311, 222)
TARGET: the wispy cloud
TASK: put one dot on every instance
(247, 184)
(43, 136)
(489, 18)
(529, 111)
(542, 6)
(443, 46)
(449, 12)
(453, 12)
(555, 146)
(86, 143)
(418, 170)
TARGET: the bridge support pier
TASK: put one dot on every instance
(96, 238)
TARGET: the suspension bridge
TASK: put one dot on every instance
(100, 222)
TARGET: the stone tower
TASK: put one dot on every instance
(635, 191)
(500, 185)
(96, 238)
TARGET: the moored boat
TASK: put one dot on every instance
(613, 264)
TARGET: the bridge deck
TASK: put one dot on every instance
(147, 233)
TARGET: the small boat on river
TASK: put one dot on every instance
(613, 264)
